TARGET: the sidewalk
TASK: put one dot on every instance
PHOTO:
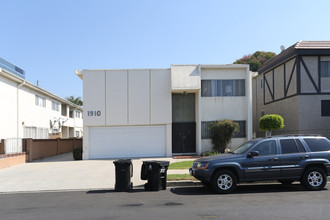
(63, 173)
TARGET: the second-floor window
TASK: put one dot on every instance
(225, 87)
(78, 114)
(325, 68)
(55, 106)
(40, 101)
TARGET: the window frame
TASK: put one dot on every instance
(40, 101)
(57, 108)
(325, 73)
(218, 88)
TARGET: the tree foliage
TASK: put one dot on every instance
(221, 133)
(74, 100)
(255, 60)
(271, 122)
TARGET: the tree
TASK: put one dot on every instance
(74, 100)
(270, 123)
(221, 133)
(256, 60)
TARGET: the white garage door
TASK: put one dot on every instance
(127, 142)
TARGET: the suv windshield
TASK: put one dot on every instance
(241, 149)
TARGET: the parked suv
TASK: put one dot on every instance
(282, 158)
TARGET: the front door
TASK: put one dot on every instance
(183, 123)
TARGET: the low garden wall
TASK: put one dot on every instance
(41, 148)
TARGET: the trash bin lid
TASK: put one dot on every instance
(122, 161)
(163, 163)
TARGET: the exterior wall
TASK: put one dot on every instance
(12, 160)
(126, 98)
(185, 77)
(301, 105)
(19, 109)
(231, 107)
(115, 98)
(311, 121)
(311, 63)
(8, 109)
(41, 148)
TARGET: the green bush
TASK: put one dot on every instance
(271, 122)
(221, 133)
(77, 153)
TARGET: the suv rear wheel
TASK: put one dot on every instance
(314, 178)
(224, 181)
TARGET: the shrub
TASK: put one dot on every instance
(77, 153)
(270, 123)
(221, 133)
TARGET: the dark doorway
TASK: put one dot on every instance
(183, 123)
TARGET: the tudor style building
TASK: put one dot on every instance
(296, 85)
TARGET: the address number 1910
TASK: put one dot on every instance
(93, 113)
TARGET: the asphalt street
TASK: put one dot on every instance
(262, 201)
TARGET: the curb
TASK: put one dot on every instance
(183, 183)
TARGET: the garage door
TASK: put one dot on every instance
(127, 142)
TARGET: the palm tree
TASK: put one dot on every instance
(74, 100)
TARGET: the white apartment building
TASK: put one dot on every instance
(28, 111)
(162, 112)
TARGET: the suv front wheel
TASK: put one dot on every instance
(314, 178)
(224, 181)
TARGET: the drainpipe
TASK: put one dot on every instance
(18, 86)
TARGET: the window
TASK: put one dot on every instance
(40, 101)
(266, 148)
(325, 107)
(288, 146)
(317, 144)
(325, 68)
(77, 133)
(232, 87)
(300, 146)
(78, 113)
(55, 106)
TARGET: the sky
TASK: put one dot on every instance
(50, 39)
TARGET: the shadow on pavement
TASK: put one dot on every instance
(241, 189)
(102, 191)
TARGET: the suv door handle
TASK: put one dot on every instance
(304, 156)
(273, 159)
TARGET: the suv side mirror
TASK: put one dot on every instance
(253, 154)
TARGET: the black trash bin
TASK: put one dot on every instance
(124, 172)
(156, 174)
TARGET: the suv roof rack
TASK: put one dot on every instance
(295, 135)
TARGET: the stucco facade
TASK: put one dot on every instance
(28, 111)
(294, 84)
(160, 112)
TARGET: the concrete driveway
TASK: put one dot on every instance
(63, 173)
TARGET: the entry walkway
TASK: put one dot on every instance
(63, 173)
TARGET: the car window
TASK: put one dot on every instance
(300, 146)
(241, 149)
(317, 144)
(266, 148)
(288, 146)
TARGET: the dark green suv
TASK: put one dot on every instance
(282, 158)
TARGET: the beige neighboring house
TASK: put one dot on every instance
(28, 111)
(162, 112)
(296, 85)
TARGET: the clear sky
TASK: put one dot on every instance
(49, 39)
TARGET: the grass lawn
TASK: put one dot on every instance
(181, 165)
(175, 177)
